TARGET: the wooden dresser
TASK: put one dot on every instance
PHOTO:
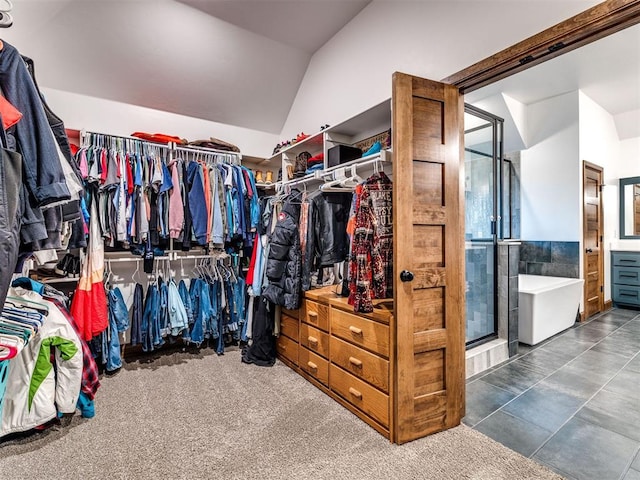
(345, 355)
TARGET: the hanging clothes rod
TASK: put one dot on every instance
(213, 256)
(327, 174)
(86, 138)
(133, 259)
(196, 149)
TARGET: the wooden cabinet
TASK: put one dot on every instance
(400, 370)
(625, 268)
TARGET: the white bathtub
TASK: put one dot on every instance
(547, 305)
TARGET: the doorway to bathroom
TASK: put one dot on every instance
(487, 220)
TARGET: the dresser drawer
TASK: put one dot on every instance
(362, 364)
(314, 365)
(289, 327)
(360, 331)
(316, 315)
(626, 275)
(315, 340)
(291, 313)
(287, 348)
(367, 398)
(626, 259)
(624, 294)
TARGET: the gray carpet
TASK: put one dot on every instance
(202, 416)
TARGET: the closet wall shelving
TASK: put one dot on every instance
(368, 123)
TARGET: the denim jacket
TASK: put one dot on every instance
(35, 141)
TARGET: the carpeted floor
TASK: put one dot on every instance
(202, 416)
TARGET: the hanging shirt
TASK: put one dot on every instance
(372, 245)
(176, 207)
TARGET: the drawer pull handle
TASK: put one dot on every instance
(355, 330)
(634, 295)
(313, 340)
(312, 365)
(627, 275)
(355, 362)
(312, 314)
(628, 260)
(355, 392)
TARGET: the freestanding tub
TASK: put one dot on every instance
(547, 305)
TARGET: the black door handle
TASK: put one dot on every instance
(589, 250)
(406, 276)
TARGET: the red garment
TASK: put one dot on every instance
(129, 168)
(158, 137)
(252, 263)
(10, 114)
(103, 165)
(89, 304)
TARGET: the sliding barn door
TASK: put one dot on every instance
(428, 256)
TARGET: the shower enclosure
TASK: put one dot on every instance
(487, 219)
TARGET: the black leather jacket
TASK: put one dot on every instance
(283, 268)
(327, 239)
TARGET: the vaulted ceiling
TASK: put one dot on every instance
(241, 62)
(233, 62)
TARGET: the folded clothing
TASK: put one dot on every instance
(158, 137)
(316, 159)
(217, 144)
(314, 168)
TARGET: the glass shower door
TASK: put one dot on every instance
(482, 152)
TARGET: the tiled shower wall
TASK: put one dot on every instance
(479, 299)
(554, 259)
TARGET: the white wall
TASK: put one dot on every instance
(550, 190)
(106, 116)
(629, 164)
(434, 39)
(599, 144)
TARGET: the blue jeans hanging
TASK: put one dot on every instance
(118, 323)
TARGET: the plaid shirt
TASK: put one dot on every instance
(371, 260)
(90, 381)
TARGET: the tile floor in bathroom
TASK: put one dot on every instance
(571, 403)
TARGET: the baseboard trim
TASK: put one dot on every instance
(608, 305)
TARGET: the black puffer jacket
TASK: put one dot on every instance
(284, 263)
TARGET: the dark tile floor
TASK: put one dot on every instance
(571, 403)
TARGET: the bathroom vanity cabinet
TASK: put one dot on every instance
(626, 278)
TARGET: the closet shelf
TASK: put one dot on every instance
(312, 142)
(52, 280)
(321, 175)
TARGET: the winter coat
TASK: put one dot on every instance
(284, 262)
(35, 390)
(327, 240)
